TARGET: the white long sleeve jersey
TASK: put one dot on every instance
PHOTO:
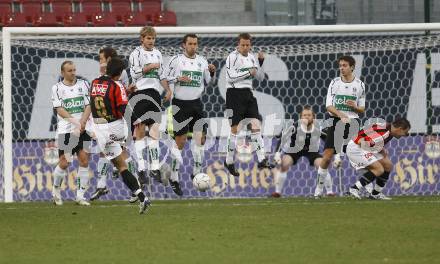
(339, 92)
(237, 70)
(140, 58)
(195, 68)
(72, 98)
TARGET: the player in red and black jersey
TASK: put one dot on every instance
(108, 101)
(366, 151)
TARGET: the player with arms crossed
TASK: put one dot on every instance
(146, 69)
(241, 68)
(70, 99)
(300, 140)
(366, 151)
(108, 102)
(345, 101)
(189, 72)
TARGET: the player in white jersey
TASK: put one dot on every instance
(345, 101)
(241, 68)
(189, 72)
(146, 69)
(104, 165)
(70, 99)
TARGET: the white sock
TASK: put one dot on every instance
(198, 155)
(175, 166)
(328, 183)
(82, 182)
(232, 139)
(377, 188)
(153, 152)
(58, 176)
(102, 167)
(139, 146)
(280, 178)
(322, 174)
(258, 145)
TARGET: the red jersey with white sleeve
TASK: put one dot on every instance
(375, 134)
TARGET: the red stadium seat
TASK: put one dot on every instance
(31, 13)
(121, 10)
(151, 6)
(165, 18)
(61, 11)
(90, 15)
(5, 13)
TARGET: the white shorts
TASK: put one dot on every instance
(111, 138)
(360, 158)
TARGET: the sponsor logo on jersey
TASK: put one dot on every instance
(195, 76)
(340, 102)
(153, 73)
(74, 105)
(246, 70)
(99, 89)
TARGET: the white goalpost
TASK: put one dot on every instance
(302, 52)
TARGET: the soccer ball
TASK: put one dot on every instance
(202, 182)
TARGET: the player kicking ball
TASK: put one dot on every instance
(300, 140)
(367, 151)
(108, 102)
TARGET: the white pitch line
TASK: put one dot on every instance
(277, 203)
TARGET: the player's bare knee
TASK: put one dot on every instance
(376, 168)
(387, 165)
(234, 129)
(317, 162)
(63, 164)
(180, 141)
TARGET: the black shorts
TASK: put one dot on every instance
(186, 116)
(311, 156)
(151, 105)
(69, 143)
(347, 136)
(242, 103)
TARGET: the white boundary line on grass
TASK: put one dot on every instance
(210, 204)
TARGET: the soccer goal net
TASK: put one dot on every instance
(400, 65)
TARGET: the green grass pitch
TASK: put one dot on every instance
(293, 230)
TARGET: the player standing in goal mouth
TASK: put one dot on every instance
(345, 101)
(300, 140)
(241, 68)
(366, 151)
(70, 98)
(108, 102)
(189, 72)
(146, 69)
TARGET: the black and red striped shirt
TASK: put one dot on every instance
(108, 99)
(374, 134)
